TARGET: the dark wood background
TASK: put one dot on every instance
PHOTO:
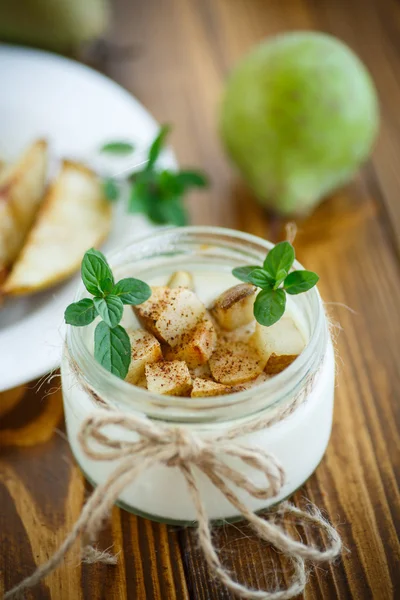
(174, 56)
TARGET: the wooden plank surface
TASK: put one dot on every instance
(181, 53)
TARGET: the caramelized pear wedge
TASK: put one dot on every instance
(282, 340)
(169, 378)
(203, 388)
(145, 349)
(73, 217)
(181, 279)
(194, 347)
(236, 363)
(170, 313)
(22, 187)
(234, 307)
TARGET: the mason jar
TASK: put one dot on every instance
(295, 405)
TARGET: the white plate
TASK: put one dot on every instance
(77, 110)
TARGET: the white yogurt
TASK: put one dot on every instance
(299, 441)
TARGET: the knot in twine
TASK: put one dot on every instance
(178, 447)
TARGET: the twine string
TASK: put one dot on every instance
(178, 447)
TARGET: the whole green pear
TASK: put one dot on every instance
(298, 116)
(59, 25)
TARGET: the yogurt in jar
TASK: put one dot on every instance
(298, 440)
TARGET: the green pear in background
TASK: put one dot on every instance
(299, 115)
(60, 25)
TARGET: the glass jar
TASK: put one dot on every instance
(298, 440)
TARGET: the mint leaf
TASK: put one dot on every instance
(260, 278)
(139, 198)
(95, 272)
(106, 285)
(270, 303)
(112, 349)
(110, 309)
(174, 212)
(191, 179)
(111, 189)
(168, 184)
(279, 260)
(243, 273)
(300, 281)
(269, 306)
(132, 291)
(158, 193)
(156, 146)
(80, 313)
(155, 212)
(117, 147)
(280, 276)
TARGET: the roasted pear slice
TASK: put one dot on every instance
(169, 378)
(74, 217)
(22, 187)
(234, 307)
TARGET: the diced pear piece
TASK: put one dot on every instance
(169, 378)
(22, 186)
(203, 388)
(73, 217)
(241, 334)
(145, 350)
(170, 313)
(195, 347)
(203, 371)
(142, 382)
(236, 363)
(281, 343)
(255, 382)
(234, 307)
(278, 362)
(181, 279)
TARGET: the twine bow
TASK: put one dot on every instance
(179, 447)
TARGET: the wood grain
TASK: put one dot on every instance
(178, 54)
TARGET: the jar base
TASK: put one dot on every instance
(176, 523)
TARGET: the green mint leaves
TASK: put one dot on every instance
(118, 147)
(80, 313)
(270, 302)
(156, 193)
(269, 306)
(156, 146)
(112, 347)
(96, 274)
(110, 189)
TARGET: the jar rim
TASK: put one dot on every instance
(282, 381)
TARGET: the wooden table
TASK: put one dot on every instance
(181, 53)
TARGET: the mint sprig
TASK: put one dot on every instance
(117, 147)
(112, 347)
(275, 282)
(158, 193)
